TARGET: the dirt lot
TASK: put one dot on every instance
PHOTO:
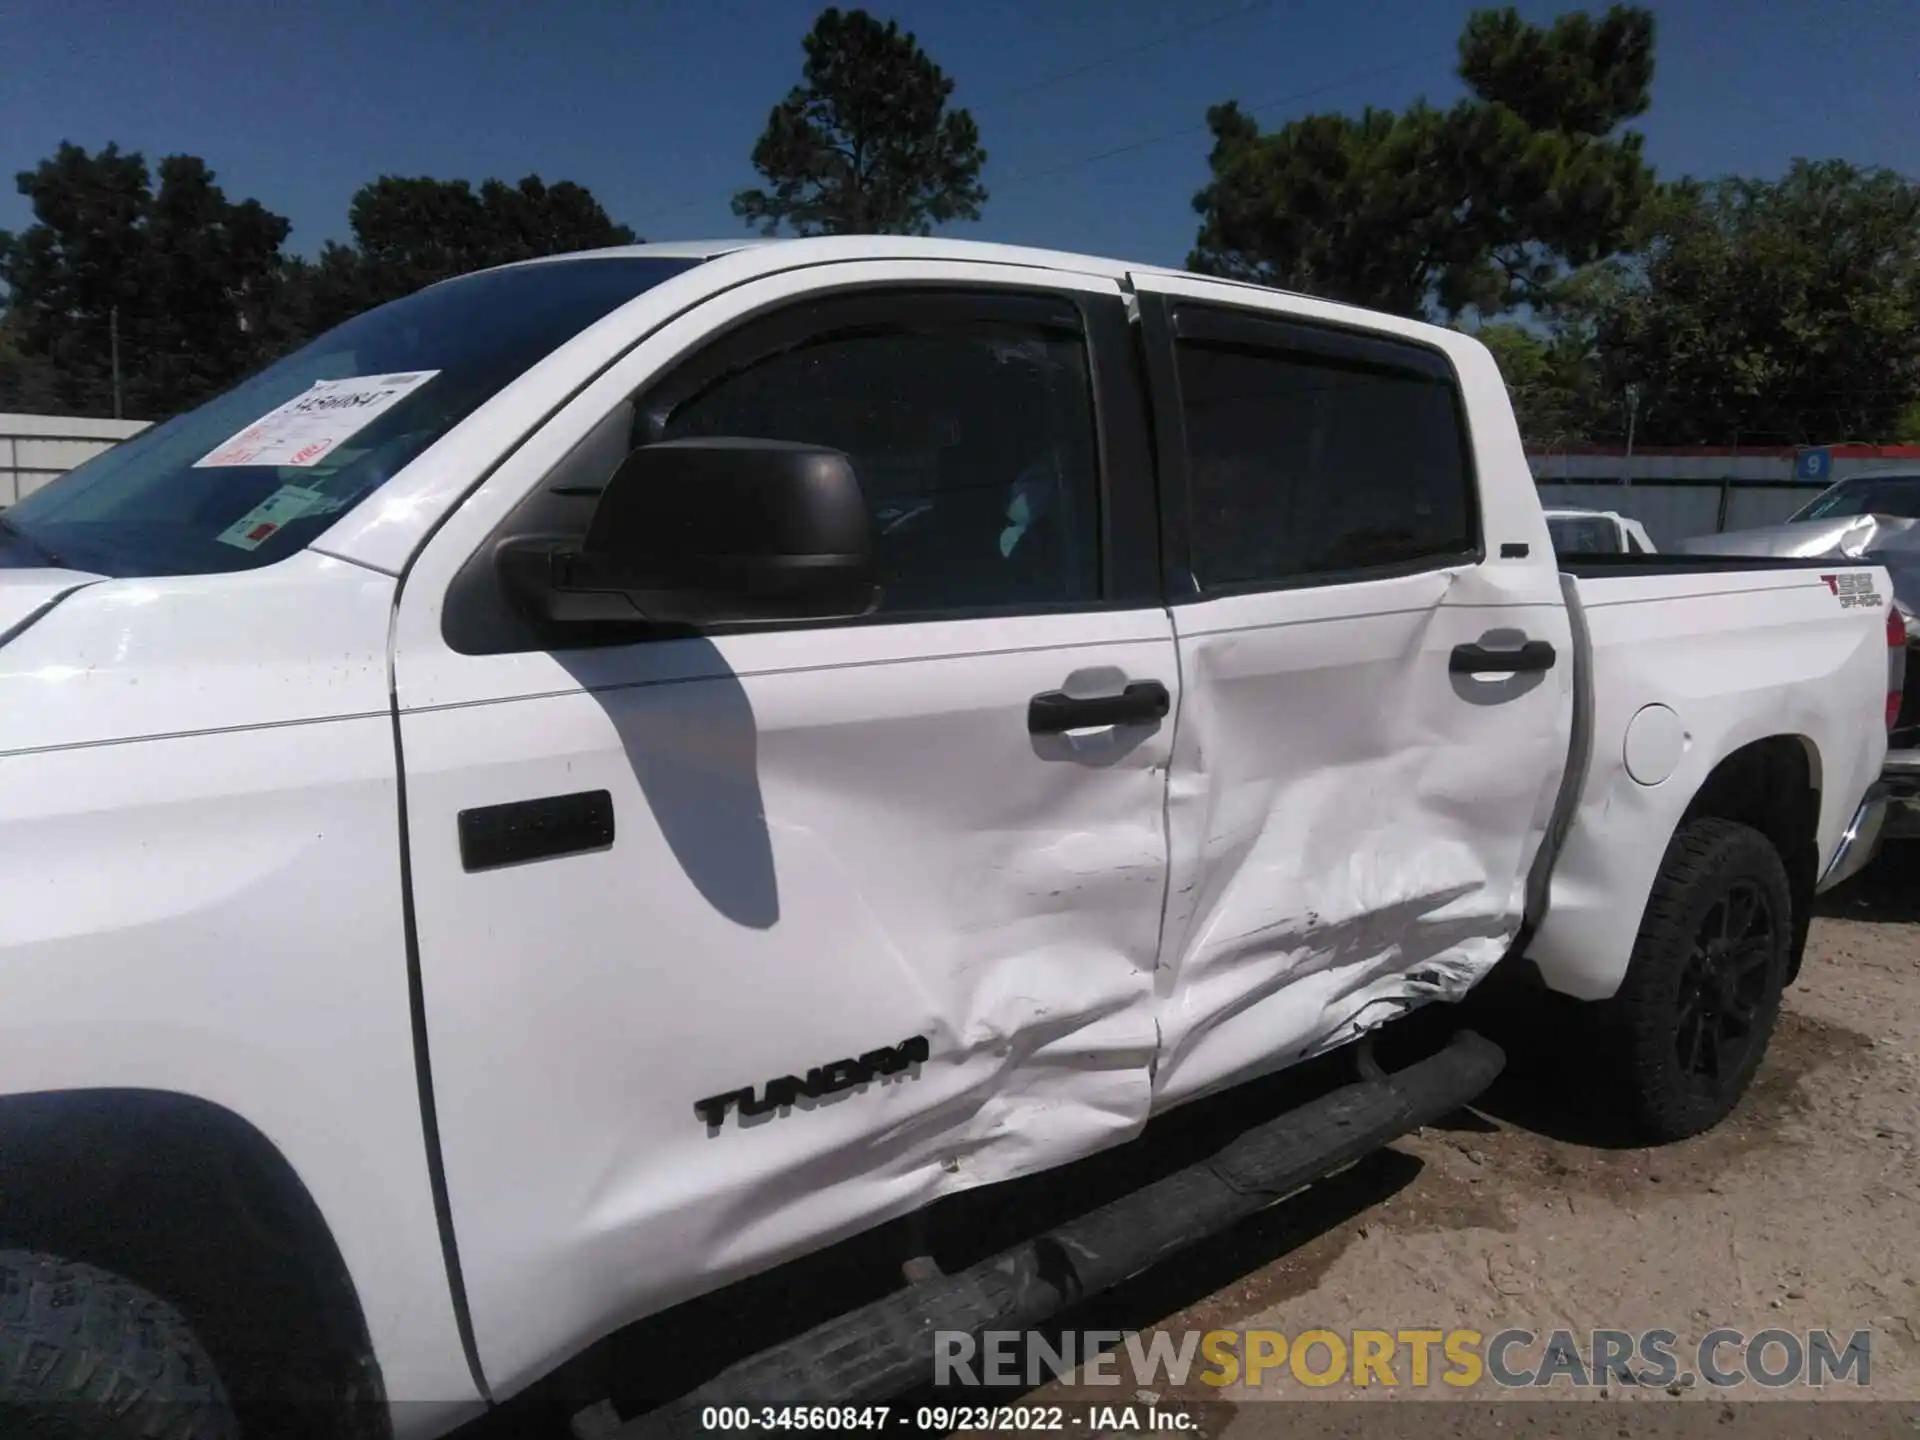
(1802, 1212)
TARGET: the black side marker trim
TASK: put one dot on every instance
(511, 834)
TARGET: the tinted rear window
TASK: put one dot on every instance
(1306, 465)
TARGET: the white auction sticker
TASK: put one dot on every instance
(282, 508)
(308, 427)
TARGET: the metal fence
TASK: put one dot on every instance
(36, 448)
(1703, 490)
(1676, 510)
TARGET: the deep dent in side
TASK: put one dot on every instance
(1768, 784)
(1773, 685)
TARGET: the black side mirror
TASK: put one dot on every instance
(706, 532)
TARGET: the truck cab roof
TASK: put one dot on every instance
(823, 249)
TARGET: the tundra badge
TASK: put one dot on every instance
(821, 1080)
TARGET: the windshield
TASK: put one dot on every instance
(1583, 535)
(253, 475)
(1895, 495)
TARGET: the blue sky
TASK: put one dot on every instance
(655, 106)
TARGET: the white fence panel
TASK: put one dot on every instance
(37, 448)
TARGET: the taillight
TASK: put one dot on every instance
(1896, 662)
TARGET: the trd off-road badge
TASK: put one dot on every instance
(821, 1080)
(1854, 591)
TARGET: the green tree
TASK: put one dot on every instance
(866, 145)
(1483, 205)
(182, 273)
(1906, 430)
(1552, 380)
(27, 382)
(412, 232)
(1779, 312)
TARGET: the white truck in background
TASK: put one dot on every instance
(610, 775)
(1578, 532)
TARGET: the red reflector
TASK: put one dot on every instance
(1896, 663)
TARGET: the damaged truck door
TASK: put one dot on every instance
(1377, 678)
(1128, 790)
(875, 911)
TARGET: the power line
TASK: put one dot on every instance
(1074, 72)
(1134, 146)
(680, 209)
(1160, 139)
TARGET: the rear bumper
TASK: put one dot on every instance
(1901, 776)
(1861, 842)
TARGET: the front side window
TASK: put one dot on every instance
(255, 474)
(1307, 465)
(974, 443)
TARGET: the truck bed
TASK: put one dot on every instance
(1682, 661)
(1601, 567)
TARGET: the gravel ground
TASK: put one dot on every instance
(1801, 1212)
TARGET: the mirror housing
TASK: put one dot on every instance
(704, 532)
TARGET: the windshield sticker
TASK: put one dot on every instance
(278, 510)
(306, 429)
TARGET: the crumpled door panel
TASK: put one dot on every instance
(1349, 825)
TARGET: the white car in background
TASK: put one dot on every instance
(1597, 532)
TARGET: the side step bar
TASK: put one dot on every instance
(886, 1349)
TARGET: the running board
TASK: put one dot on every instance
(885, 1349)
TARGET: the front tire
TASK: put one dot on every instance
(1691, 1020)
(86, 1355)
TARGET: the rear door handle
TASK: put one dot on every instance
(1534, 655)
(1054, 711)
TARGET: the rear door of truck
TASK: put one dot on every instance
(1376, 671)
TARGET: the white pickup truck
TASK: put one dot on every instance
(612, 774)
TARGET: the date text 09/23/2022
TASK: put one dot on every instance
(942, 1419)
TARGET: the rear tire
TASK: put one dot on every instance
(86, 1355)
(1691, 1021)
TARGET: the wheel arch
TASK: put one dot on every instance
(1773, 785)
(191, 1201)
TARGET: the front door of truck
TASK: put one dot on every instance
(730, 946)
(1377, 670)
